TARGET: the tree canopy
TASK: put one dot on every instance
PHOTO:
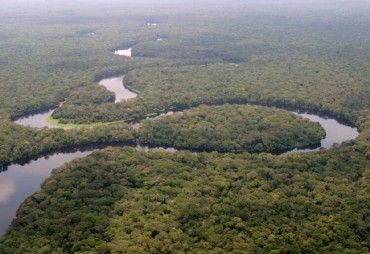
(232, 128)
(126, 200)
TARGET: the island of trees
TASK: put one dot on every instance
(232, 128)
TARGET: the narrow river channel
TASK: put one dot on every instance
(335, 131)
(20, 181)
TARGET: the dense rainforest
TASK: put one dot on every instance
(207, 60)
(134, 201)
(231, 128)
(22, 143)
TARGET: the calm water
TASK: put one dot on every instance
(20, 181)
(116, 85)
(39, 120)
(335, 131)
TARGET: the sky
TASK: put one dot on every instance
(354, 6)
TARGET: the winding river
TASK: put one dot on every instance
(113, 84)
(20, 181)
(335, 132)
(38, 120)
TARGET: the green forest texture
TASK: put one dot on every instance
(20, 143)
(283, 71)
(53, 58)
(295, 64)
(316, 86)
(127, 200)
(232, 128)
(124, 200)
(48, 62)
(89, 95)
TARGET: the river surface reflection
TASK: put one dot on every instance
(38, 120)
(20, 181)
(116, 86)
(335, 131)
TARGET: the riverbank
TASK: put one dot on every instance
(337, 131)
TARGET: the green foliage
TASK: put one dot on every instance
(20, 143)
(307, 84)
(129, 200)
(296, 70)
(232, 128)
(133, 201)
(90, 95)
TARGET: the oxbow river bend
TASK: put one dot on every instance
(335, 132)
(20, 181)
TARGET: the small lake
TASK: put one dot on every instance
(20, 181)
(123, 52)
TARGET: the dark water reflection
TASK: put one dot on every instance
(18, 182)
(335, 131)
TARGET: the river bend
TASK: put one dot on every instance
(20, 181)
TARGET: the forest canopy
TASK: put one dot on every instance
(128, 200)
(232, 128)
(312, 57)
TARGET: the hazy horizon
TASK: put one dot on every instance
(277, 4)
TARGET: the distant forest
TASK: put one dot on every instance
(230, 192)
